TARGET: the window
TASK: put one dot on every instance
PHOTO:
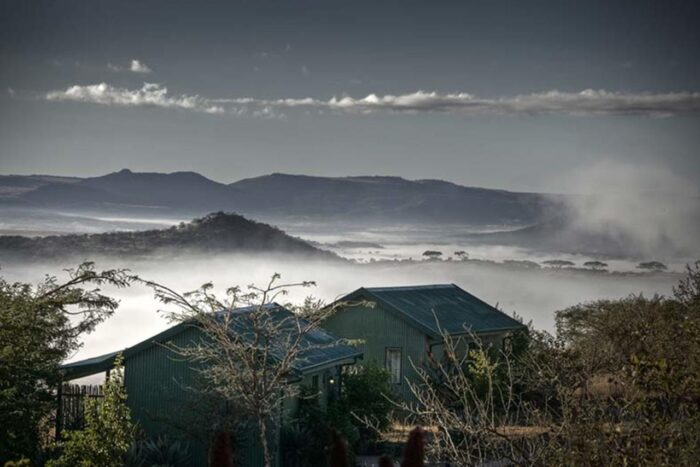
(508, 344)
(314, 382)
(392, 362)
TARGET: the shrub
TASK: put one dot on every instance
(159, 452)
(368, 396)
(108, 433)
(23, 462)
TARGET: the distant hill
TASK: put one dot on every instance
(176, 190)
(387, 199)
(367, 199)
(214, 233)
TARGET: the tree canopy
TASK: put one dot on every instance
(40, 326)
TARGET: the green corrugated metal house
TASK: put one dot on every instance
(161, 386)
(401, 324)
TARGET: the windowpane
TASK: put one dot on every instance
(393, 364)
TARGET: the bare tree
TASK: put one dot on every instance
(251, 347)
(468, 400)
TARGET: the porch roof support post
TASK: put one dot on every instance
(59, 409)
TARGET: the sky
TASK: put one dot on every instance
(520, 95)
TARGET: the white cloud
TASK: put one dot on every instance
(139, 67)
(136, 66)
(150, 95)
(584, 103)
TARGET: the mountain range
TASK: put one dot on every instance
(372, 199)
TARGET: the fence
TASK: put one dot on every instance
(70, 414)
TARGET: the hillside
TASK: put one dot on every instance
(387, 199)
(366, 199)
(214, 233)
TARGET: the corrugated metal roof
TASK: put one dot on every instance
(89, 366)
(319, 347)
(447, 305)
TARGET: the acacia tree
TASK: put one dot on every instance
(652, 266)
(40, 327)
(461, 254)
(596, 265)
(250, 347)
(558, 263)
(432, 254)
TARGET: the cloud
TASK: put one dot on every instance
(139, 67)
(150, 95)
(584, 103)
(136, 66)
(588, 103)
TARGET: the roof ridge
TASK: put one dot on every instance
(412, 287)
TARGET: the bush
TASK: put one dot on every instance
(23, 462)
(160, 452)
(108, 433)
(305, 439)
(366, 403)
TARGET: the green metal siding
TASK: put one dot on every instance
(162, 400)
(379, 329)
(162, 397)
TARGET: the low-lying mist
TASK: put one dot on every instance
(532, 294)
(649, 211)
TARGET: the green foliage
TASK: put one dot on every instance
(304, 439)
(108, 433)
(41, 327)
(655, 343)
(366, 397)
(627, 378)
(367, 393)
(160, 452)
(23, 462)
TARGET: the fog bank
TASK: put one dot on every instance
(532, 294)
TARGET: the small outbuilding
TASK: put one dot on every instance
(400, 325)
(162, 391)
